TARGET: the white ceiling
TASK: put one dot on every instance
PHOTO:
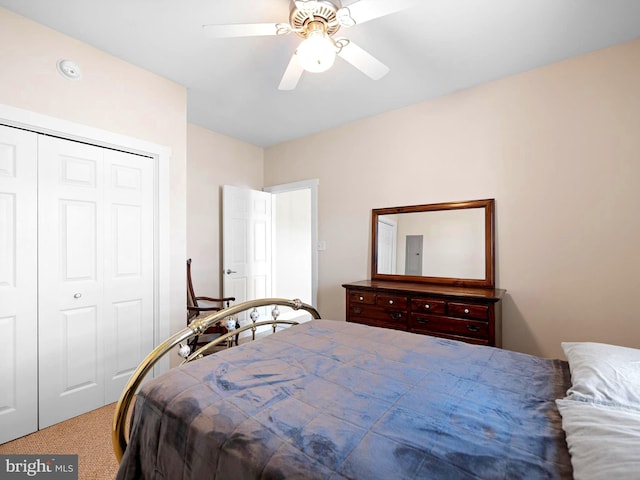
(432, 48)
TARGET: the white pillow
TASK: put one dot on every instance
(604, 373)
(603, 440)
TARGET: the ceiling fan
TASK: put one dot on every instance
(317, 21)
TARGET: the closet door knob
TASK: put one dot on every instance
(77, 295)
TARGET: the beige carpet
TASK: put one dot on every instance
(88, 436)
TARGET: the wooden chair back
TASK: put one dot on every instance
(196, 305)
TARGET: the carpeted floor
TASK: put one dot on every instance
(88, 435)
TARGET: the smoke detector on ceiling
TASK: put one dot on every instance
(69, 69)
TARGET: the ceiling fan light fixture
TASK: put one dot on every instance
(317, 52)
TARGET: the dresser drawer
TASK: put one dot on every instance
(391, 301)
(428, 305)
(359, 310)
(468, 310)
(368, 298)
(378, 316)
(452, 326)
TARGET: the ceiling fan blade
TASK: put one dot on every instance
(363, 61)
(366, 10)
(241, 30)
(291, 75)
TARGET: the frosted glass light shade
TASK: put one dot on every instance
(316, 53)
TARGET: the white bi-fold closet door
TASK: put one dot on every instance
(85, 315)
(18, 283)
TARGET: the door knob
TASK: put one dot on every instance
(77, 295)
(228, 271)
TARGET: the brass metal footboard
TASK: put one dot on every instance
(119, 436)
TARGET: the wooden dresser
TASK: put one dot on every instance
(469, 314)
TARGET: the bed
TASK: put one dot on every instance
(331, 399)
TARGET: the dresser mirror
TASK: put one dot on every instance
(441, 243)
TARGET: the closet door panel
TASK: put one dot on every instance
(18, 284)
(78, 242)
(79, 334)
(71, 298)
(128, 266)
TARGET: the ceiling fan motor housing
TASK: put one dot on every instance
(316, 10)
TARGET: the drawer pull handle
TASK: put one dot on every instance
(473, 328)
(427, 306)
(390, 302)
(357, 310)
(396, 315)
(361, 298)
(423, 320)
(466, 310)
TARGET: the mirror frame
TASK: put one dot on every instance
(489, 226)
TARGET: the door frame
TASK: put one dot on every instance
(312, 185)
(44, 124)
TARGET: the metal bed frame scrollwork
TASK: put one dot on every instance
(118, 432)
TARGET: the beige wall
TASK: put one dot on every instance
(114, 96)
(214, 160)
(558, 148)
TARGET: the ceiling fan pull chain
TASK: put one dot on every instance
(340, 43)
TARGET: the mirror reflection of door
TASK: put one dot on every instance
(413, 259)
(387, 234)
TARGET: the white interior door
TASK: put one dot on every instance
(128, 266)
(96, 274)
(246, 244)
(71, 231)
(18, 284)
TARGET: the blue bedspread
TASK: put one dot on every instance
(330, 399)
